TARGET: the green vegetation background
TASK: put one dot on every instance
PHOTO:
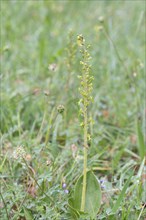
(34, 34)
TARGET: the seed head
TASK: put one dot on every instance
(19, 153)
(60, 109)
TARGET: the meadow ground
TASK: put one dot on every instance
(40, 64)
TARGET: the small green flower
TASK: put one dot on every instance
(80, 40)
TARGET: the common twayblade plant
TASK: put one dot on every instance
(87, 194)
(85, 90)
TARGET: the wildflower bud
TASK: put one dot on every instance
(101, 19)
(46, 93)
(52, 67)
(60, 109)
(64, 185)
(102, 183)
(66, 191)
(134, 74)
(48, 162)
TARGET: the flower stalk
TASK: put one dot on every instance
(85, 91)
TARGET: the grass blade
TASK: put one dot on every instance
(121, 196)
(141, 145)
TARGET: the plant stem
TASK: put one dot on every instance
(85, 161)
(84, 180)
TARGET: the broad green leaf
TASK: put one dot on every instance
(93, 195)
(141, 144)
(122, 194)
(74, 213)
